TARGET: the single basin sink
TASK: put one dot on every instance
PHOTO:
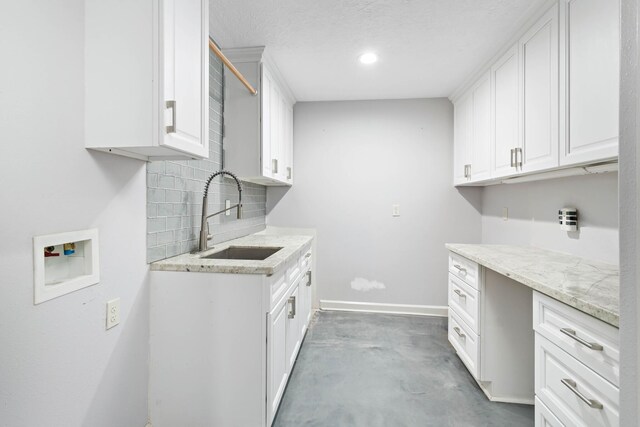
(240, 252)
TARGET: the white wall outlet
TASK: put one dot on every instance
(227, 205)
(395, 211)
(113, 313)
(505, 214)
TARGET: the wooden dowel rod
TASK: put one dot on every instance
(230, 66)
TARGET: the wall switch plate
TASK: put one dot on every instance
(227, 205)
(113, 313)
(505, 214)
(395, 210)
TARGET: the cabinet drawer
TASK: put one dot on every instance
(306, 260)
(466, 343)
(573, 392)
(464, 269)
(579, 334)
(544, 417)
(464, 300)
(278, 285)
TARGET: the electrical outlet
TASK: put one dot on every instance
(505, 214)
(227, 205)
(395, 210)
(113, 313)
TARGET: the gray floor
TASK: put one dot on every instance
(362, 369)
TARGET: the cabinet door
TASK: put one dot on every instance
(461, 139)
(184, 76)
(481, 146)
(293, 330)
(305, 302)
(267, 83)
(275, 108)
(591, 31)
(538, 53)
(505, 108)
(288, 143)
(278, 363)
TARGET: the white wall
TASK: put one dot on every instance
(533, 215)
(58, 365)
(353, 161)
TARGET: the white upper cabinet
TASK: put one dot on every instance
(147, 78)
(258, 131)
(590, 59)
(553, 98)
(538, 51)
(505, 113)
(462, 139)
(481, 143)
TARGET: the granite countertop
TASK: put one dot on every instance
(292, 246)
(589, 286)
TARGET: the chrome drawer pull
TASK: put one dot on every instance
(572, 334)
(460, 294)
(460, 334)
(571, 385)
(292, 311)
(461, 269)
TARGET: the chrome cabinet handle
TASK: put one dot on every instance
(460, 269)
(572, 334)
(309, 277)
(460, 294)
(460, 334)
(288, 172)
(274, 165)
(518, 162)
(513, 162)
(571, 385)
(467, 171)
(292, 311)
(172, 105)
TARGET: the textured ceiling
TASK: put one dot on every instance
(427, 48)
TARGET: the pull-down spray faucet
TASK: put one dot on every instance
(204, 225)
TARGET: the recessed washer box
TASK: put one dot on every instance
(63, 263)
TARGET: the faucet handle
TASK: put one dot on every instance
(209, 236)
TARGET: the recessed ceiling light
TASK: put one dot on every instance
(368, 58)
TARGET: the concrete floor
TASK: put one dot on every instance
(363, 369)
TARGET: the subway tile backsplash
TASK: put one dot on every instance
(174, 193)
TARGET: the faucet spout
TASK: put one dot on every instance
(204, 224)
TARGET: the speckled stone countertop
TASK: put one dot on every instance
(589, 286)
(292, 246)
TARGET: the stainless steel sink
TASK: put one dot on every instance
(242, 252)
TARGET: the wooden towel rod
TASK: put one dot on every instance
(230, 66)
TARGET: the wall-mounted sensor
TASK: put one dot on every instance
(568, 218)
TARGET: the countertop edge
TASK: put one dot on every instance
(183, 263)
(592, 310)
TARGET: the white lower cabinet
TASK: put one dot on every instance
(577, 365)
(544, 417)
(223, 345)
(278, 365)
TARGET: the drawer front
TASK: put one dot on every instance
(464, 269)
(593, 342)
(278, 286)
(306, 260)
(575, 394)
(464, 300)
(466, 343)
(544, 417)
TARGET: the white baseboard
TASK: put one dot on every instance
(370, 307)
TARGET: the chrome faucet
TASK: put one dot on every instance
(204, 225)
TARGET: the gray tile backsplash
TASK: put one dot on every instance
(174, 193)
